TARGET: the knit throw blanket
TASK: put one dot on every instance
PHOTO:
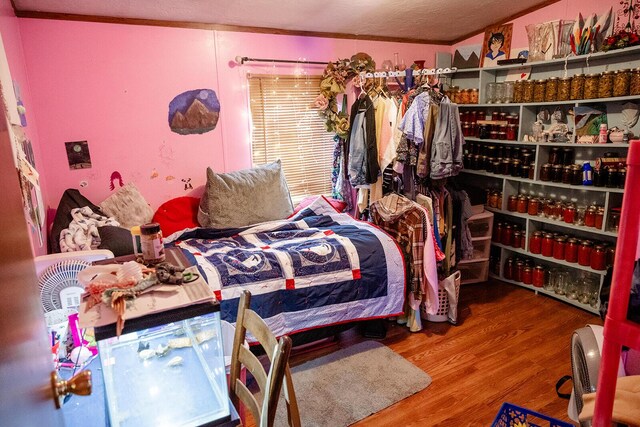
(82, 234)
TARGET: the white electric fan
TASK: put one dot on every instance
(59, 286)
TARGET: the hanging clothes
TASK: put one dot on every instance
(446, 151)
(423, 166)
(386, 115)
(363, 153)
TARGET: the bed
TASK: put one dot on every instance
(317, 268)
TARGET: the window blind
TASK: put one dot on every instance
(285, 126)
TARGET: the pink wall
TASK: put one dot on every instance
(12, 41)
(111, 84)
(564, 9)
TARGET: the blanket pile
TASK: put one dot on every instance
(82, 233)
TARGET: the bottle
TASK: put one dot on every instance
(135, 237)
(587, 174)
(602, 138)
(152, 247)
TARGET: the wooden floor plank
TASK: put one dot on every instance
(510, 345)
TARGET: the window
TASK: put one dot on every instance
(287, 127)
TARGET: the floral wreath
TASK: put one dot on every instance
(334, 80)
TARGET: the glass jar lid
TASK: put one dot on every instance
(586, 243)
(607, 73)
(541, 81)
(553, 78)
(580, 75)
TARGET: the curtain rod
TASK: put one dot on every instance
(242, 59)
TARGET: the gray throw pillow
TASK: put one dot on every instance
(127, 206)
(245, 197)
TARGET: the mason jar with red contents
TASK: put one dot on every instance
(599, 217)
(497, 233)
(539, 274)
(547, 244)
(523, 204)
(557, 210)
(519, 269)
(516, 242)
(558, 247)
(611, 255)
(534, 206)
(590, 216)
(570, 214)
(535, 242)
(527, 275)
(571, 250)
(507, 235)
(512, 203)
(598, 258)
(584, 253)
(507, 272)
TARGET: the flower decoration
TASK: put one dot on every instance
(626, 35)
(621, 40)
(334, 81)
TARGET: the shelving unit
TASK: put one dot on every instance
(527, 112)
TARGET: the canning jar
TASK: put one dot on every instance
(621, 82)
(512, 132)
(538, 90)
(614, 222)
(507, 272)
(584, 253)
(567, 156)
(564, 89)
(463, 96)
(496, 236)
(515, 167)
(473, 97)
(527, 276)
(554, 156)
(598, 258)
(566, 174)
(551, 89)
(545, 172)
(590, 216)
(509, 89)
(576, 174)
(577, 86)
(534, 206)
(591, 86)
(525, 171)
(634, 85)
(622, 177)
(516, 241)
(599, 217)
(612, 177)
(571, 250)
(491, 92)
(569, 214)
(512, 203)
(494, 199)
(517, 91)
(558, 209)
(556, 173)
(507, 235)
(535, 242)
(539, 274)
(558, 247)
(523, 204)
(610, 255)
(547, 245)
(527, 91)
(605, 85)
(151, 242)
(518, 270)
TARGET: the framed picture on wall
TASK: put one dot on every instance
(496, 45)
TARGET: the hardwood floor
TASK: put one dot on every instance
(510, 345)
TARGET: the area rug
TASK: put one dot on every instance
(352, 383)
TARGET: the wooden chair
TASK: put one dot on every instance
(270, 384)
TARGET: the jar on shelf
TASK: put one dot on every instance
(605, 84)
(598, 257)
(534, 206)
(556, 173)
(547, 245)
(557, 211)
(584, 253)
(527, 90)
(569, 214)
(509, 88)
(610, 255)
(555, 156)
(464, 96)
(523, 204)
(571, 250)
(576, 174)
(577, 87)
(545, 172)
(567, 174)
(484, 131)
(567, 155)
(491, 92)
(538, 90)
(518, 270)
(613, 223)
(516, 241)
(621, 82)
(622, 177)
(612, 178)
(473, 96)
(580, 213)
(517, 91)
(535, 242)
(494, 198)
(512, 203)
(590, 216)
(507, 235)
(591, 86)
(507, 271)
(496, 235)
(527, 276)
(493, 134)
(564, 89)
(599, 217)
(525, 171)
(500, 90)
(634, 85)
(539, 275)
(551, 89)
(502, 135)
(505, 167)
(512, 132)
(453, 93)
(558, 247)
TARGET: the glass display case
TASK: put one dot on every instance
(166, 369)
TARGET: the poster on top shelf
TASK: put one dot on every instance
(467, 56)
(497, 45)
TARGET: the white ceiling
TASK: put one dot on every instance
(433, 20)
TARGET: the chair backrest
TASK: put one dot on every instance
(270, 384)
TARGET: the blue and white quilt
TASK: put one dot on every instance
(315, 269)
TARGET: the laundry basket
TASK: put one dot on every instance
(448, 293)
(511, 415)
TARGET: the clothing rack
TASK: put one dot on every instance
(242, 59)
(423, 72)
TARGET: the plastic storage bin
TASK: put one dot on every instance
(473, 271)
(481, 225)
(510, 415)
(481, 248)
